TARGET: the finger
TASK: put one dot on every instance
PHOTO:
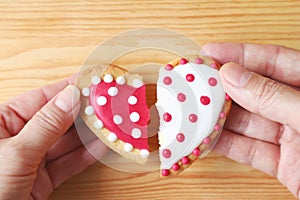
(289, 165)
(4, 133)
(65, 144)
(10, 122)
(261, 95)
(73, 163)
(26, 105)
(50, 123)
(70, 141)
(42, 187)
(260, 155)
(252, 125)
(278, 62)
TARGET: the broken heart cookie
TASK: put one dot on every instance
(191, 103)
(192, 107)
(113, 106)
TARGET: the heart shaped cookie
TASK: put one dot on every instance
(191, 104)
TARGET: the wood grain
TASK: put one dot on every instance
(42, 41)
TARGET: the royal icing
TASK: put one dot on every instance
(96, 80)
(89, 110)
(86, 92)
(121, 109)
(121, 80)
(112, 137)
(144, 153)
(132, 100)
(108, 78)
(190, 100)
(98, 124)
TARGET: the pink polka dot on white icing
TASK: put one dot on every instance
(214, 65)
(193, 118)
(199, 61)
(190, 77)
(169, 67)
(166, 153)
(227, 97)
(217, 127)
(165, 172)
(176, 167)
(185, 160)
(167, 80)
(212, 81)
(181, 97)
(206, 140)
(167, 117)
(205, 100)
(222, 115)
(183, 61)
(196, 151)
(180, 137)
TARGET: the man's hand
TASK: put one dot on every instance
(263, 130)
(39, 146)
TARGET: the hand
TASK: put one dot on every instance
(35, 159)
(264, 130)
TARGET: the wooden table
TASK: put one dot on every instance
(47, 40)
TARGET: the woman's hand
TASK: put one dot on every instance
(263, 130)
(38, 149)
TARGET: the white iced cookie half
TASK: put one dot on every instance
(190, 102)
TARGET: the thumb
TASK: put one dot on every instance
(50, 123)
(261, 95)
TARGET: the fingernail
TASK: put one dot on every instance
(236, 74)
(67, 98)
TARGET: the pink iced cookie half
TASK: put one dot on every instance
(115, 109)
(123, 110)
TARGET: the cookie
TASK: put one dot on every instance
(191, 102)
(113, 106)
(192, 106)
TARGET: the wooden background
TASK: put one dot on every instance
(44, 41)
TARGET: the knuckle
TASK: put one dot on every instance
(243, 123)
(49, 121)
(251, 154)
(267, 91)
(5, 112)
